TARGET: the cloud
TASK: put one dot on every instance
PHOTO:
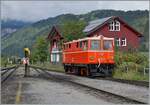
(36, 10)
(124, 5)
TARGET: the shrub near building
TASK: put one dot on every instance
(131, 65)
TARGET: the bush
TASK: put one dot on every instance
(130, 65)
(135, 57)
(4, 62)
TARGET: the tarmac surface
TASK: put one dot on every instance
(39, 90)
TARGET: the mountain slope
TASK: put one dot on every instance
(26, 36)
(9, 26)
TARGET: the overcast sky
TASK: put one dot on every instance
(37, 10)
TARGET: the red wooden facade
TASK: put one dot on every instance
(126, 37)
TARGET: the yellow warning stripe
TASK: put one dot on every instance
(18, 94)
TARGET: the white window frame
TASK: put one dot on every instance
(118, 42)
(111, 26)
(124, 41)
(114, 24)
(117, 25)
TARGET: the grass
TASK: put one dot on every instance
(145, 53)
(8, 65)
(130, 75)
(130, 65)
(51, 67)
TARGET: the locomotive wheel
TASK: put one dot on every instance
(84, 72)
(77, 71)
(70, 70)
(81, 72)
(66, 69)
(110, 73)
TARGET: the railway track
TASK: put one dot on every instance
(108, 95)
(7, 72)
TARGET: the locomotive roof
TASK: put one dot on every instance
(90, 38)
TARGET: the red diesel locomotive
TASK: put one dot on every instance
(91, 56)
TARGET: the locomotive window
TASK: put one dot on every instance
(81, 44)
(64, 47)
(69, 45)
(85, 45)
(107, 45)
(95, 45)
(77, 44)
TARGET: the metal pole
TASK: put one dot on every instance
(26, 70)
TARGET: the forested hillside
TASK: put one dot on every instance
(9, 26)
(26, 36)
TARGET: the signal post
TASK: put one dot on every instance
(26, 61)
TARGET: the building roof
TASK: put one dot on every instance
(96, 24)
(55, 29)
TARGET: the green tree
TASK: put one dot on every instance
(40, 50)
(72, 30)
(4, 61)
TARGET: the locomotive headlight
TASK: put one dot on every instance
(91, 58)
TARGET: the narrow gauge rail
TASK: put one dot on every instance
(7, 68)
(95, 90)
(7, 72)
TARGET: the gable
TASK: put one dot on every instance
(54, 31)
(99, 23)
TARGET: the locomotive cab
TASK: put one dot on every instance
(101, 56)
(101, 45)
